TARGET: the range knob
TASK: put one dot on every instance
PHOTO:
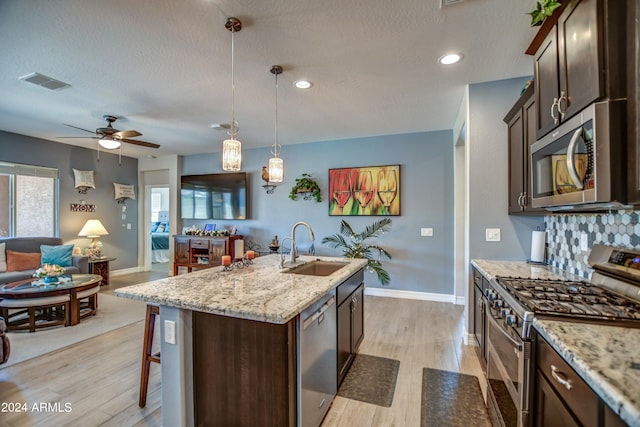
(511, 320)
(490, 294)
(504, 312)
(497, 303)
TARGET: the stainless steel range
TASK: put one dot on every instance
(611, 296)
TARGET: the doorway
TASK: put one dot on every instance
(157, 235)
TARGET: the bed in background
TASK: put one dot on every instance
(159, 242)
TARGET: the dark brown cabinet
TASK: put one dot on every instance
(194, 252)
(521, 128)
(350, 321)
(633, 100)
(579, 61)
(561, 397)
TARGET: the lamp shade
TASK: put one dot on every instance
(93, 228)
(231, 155)
(276, 169)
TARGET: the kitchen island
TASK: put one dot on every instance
(236, 355)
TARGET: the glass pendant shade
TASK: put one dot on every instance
(231, 155)
(276, 169)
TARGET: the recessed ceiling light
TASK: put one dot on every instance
(303, 84)
(450, 58)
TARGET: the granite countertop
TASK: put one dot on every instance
(606, 357)
(490, 269)
(261, 291)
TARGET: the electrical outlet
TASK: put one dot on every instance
(426, 232)
(584, 242)
(492, 234)
(169, 332)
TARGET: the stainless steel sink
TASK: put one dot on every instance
(317, 268)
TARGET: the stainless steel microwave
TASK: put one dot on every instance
(581, 165)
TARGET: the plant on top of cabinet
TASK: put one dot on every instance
(356, 246)
(544, 8)
(307, 187)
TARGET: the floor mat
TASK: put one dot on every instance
(451, 399)
(371, 379)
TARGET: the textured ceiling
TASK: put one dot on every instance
(164, 67)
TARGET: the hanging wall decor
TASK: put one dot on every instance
(124, 192)
(365, 191)
(83, 180)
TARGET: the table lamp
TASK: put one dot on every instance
(94, 229)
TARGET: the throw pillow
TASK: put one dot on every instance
(20, 261)
(3, 258)
(154, 226)
(60, 255)
(161, 228)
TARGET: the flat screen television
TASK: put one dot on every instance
(214, 196)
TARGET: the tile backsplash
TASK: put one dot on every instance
(564, 232)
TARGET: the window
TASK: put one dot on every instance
(28, 200)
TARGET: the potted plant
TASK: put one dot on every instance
(354, 245)
(306, 185)
(544, 9)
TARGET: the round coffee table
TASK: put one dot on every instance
(53, 303)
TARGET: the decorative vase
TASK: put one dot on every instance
(50, 279)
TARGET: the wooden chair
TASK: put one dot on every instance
(147, 355)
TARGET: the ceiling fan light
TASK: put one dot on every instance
(231, 155)
(109, 143)
(276, 169)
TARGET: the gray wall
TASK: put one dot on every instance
(488, 175)
(423, 264)
(121, 242)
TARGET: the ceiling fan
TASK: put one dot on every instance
(110, 138)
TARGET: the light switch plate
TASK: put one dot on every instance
(169, 332)
(426, 232)
(492, 234)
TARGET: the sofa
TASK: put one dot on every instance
(31, 245)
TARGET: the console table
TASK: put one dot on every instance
(100, 266)
(195, 252)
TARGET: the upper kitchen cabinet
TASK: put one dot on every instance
(633, 100)
(579, 61)
(521, 125)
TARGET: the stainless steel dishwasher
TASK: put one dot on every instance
(317, 367)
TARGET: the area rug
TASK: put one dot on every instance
(113, 313)
(451, 399)
(371, 379)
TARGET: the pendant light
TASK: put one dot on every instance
(276, 165)
(231, 148)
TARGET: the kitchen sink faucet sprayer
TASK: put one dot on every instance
(293, 255)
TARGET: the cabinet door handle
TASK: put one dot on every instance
(555, 118)
(560, 377)
(524, 200)
(563, 99)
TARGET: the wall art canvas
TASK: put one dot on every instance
(365, 191)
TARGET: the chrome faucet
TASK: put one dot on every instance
(282, 251)
(293, 255)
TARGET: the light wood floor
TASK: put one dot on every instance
(99, 378)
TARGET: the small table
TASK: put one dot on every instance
(100, 266)
(34, 295)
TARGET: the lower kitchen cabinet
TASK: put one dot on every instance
(350, 322)
(562, 398)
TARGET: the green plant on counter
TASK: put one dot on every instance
(307, 186)
(354, 245)
(544, 9)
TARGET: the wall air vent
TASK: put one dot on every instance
(444, 3)
(44, 81)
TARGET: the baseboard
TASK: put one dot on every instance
(422, 296)
(125, 271)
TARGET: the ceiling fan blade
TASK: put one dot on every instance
(126, 134)
(76, 127)
(141, 143)
(83, 137)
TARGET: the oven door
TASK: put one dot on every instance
(508, 364)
